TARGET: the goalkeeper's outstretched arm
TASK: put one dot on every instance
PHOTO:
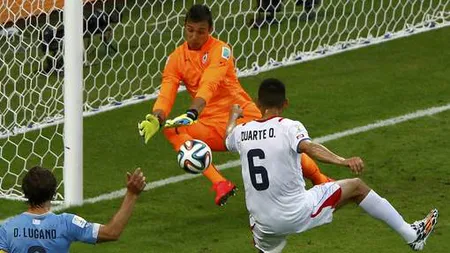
(166, 98)
(190, 116)
(169, 87)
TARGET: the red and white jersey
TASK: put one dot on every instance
(271, 171)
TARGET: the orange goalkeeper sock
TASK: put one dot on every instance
(213, 174)
(312, 171)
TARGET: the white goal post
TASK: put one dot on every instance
(73, 102)
(61, 60)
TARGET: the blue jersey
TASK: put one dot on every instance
(45, 233)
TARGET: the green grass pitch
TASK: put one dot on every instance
(408, 163)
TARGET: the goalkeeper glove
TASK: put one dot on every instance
(148, 127)
(187, 119)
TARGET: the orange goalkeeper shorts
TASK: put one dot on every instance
(212, 132)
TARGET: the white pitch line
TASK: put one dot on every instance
(383, 123)
(232, 164)
(151, 185)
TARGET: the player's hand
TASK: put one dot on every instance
(136, 182)
(148, 127)
(236, 111)
(355, 164)
(182, 120)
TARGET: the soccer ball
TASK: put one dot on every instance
(194, 156)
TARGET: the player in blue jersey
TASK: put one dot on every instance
(38, 230)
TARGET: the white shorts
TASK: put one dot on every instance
(323, 198)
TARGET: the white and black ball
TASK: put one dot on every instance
(194, 156)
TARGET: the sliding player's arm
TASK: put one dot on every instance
(164, 103)
(235, 114)
(321, 153)
(213, 76)
(230, 135)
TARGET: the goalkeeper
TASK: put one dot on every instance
(205, 65)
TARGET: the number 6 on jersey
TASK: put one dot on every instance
(258, 174)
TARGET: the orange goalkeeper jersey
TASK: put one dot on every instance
(208, 73)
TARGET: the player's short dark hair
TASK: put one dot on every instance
(39, 186)
(271, 93)
(199, 13)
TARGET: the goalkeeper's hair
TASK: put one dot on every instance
(199, 13)
(39, 186)
(271, 93)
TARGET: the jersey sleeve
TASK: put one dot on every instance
(78, 229)
(231, 142)
(3, 240)
(220, 60)
(296, 134)
(169, 86)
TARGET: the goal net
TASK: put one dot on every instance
(127, 42)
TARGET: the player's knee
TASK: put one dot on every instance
(361, 189)
(175, 137)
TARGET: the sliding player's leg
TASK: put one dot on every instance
(177, 136)
(414, 234)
